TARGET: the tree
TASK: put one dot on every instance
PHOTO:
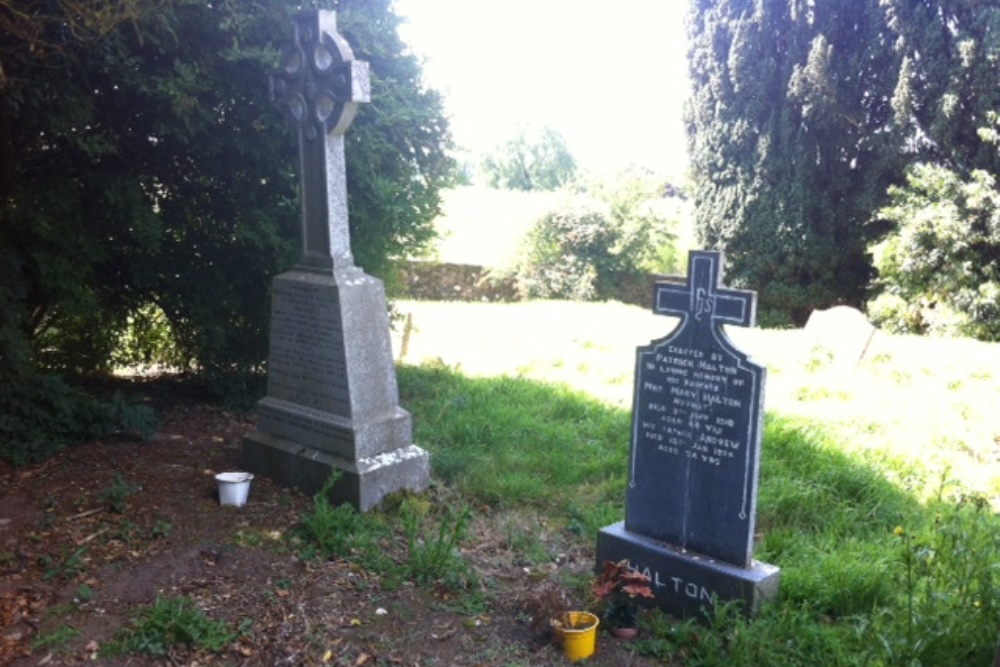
(940, 267)
(36, 30)
(530, 160)
(803, 114)
(792, 143)
(581, 248)
(948, 84)
(149, 168)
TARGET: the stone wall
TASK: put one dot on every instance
(433, 281)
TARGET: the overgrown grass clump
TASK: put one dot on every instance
(433, 535)
(170, 623)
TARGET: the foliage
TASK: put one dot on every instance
(801, 117)
(533, 159)
(946, 84)
(42, 414)
(57, 640)
(567, 251)
(940, 268)
(47, 29)
(946, 569)
(618, 588)
(435, 558)
(171, 622)
(67, 567)
(117, 494)
(330, 531)
(164, 181)
(577, 250)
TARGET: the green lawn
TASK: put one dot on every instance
(878, 491)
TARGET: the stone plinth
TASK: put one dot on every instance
(686, 583)
(332, 399)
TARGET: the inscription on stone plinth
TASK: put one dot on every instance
(306, 362)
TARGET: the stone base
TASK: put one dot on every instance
(363, 483)
(686, 583)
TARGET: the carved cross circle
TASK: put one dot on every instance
(320, 84)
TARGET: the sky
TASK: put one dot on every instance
(609, 77)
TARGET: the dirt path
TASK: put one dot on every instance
(104, 528)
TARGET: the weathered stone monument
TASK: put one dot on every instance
(332, 401)
(842, 332)
(691, 501)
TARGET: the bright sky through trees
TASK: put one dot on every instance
(610, 77)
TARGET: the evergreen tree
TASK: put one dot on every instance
(949, 82)
(148, 167)
(792, 143)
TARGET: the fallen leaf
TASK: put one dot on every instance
(362, 659)
(355, 622)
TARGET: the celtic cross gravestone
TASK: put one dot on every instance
(690, 505)
(332, 398)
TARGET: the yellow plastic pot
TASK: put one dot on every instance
(579, 634)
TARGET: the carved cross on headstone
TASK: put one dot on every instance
(702, 302)
(318, 88)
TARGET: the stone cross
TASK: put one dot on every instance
(318, 88)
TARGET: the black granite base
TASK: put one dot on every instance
(686, 583)
(362, 483)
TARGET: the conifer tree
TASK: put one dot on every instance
(793, 143)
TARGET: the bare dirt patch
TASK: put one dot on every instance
(105, 527)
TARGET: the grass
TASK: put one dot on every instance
(878, 484)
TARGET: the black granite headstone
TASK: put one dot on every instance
(691, 501)
(696, 423)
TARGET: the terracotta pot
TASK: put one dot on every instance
(625, 633)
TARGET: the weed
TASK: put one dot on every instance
(330, 532)
(436, 558)
(84, 594)
(117, 495)
(161, 529)
(946, 569)
(171, 622)
(57, 640)
(126, 532)
(66, 568)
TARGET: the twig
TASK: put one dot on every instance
(83, 514)
(92, 536)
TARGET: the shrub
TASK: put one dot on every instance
(42, 414)
(577, 251)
